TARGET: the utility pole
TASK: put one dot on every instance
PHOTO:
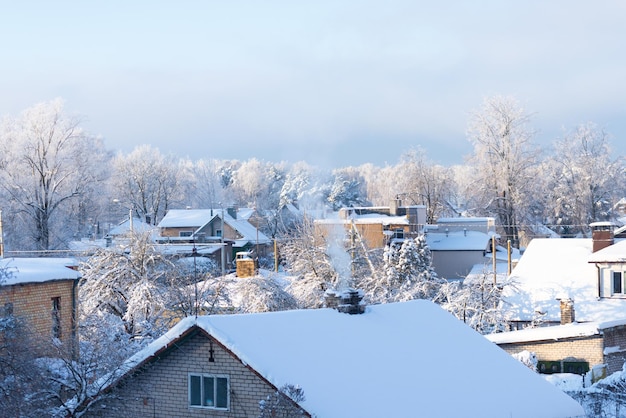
(1, 237)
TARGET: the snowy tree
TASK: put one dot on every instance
(407, 274)
(129, 283)
(283, 403)
(262, 294)
(584, 180)
(504, 159)
(348, 189)
(421, 182)
(478, 303)
(204, 186)
(47, 164)
(306, 257)
(147, 182)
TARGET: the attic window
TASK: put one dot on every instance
(209, 391)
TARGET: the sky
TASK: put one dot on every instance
(333, 83)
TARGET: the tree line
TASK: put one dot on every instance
(59, 183)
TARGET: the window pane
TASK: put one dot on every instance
(221, 392)
(617, 282)
(194, 391)
(209, 391)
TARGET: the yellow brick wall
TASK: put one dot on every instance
(161, 389)
(32, 302)
(589, 349)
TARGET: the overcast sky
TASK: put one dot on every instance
(330, 82)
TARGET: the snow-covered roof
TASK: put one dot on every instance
(553, 333)
(458, 241)
(197, 218)
(405, 356)
(615, 253)
(181, 218)
(466, 220)
(138, 226)
(38, 270)
(551, 269)
(367, 219)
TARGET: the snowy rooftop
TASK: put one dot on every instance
(177, 218)
(197, 218)
(395, 360)
(370, 218)
(458, 241)
(615, 253)
(39, 270)
(556, 268)
(556, 332)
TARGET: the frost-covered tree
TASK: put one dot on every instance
(478, 303)
(421, 182)
(283, 403)
(307, 258)
(348, 189)
(585, 179)
(504, 160)
(148, 182)
(262, 294)
(49, 167)
(129, 283)
(407, 274)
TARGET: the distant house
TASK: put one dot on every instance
(213, 226)
(43, 293)
(394, 360)
(374, 226)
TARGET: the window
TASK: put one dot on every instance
(618, 285)
(185, 233)
(209, 391)
(218, 232)
(56, 317)
(398, 233)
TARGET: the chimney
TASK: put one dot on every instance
(232, 211)
(567, 311)
(348, 301)
(601, 235)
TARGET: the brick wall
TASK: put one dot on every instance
(161, 389)
(615, 343)
(589, 349)
(32, 302)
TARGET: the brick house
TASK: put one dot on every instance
(43, 293)
(571, 348)
(392, 360)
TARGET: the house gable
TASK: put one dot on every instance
(334, 356)
(161, 382)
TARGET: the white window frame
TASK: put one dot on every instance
(622, 282)
(202, 404)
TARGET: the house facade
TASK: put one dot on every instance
(42, 292)
(197, 376)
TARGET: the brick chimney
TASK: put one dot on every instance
(348, 301)
(567, 311)
(601, 235)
